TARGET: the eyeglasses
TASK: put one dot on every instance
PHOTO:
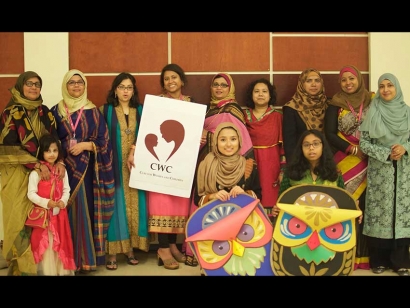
(72, 83)
(315, 144)
(122, 88)
(222, 85)
(30, 84)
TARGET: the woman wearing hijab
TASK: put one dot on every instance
(306, 109)
(223, 108)
(224, 172)
(88, 155)
(385, 139)
(24, 120)
(345, 113)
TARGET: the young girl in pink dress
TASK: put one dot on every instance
(52, 247)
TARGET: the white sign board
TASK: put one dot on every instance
(167, 146)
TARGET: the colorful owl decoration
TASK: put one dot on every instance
(231, 238)
(315, 232)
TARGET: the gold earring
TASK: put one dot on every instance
(115, 94)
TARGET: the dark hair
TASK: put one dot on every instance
(249, 92)
(111, 99)
(175, 68)
(326, 169)
(44, 142)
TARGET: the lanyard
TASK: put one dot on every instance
(73, 127)
(358, 117)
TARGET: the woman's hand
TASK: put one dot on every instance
(222, 195)
(130, 160)
(397, 151)
(235, 191)
(360, 154)
(203, 137)
(43, 172)
(80, 147)
(275, 211)
(60, 170)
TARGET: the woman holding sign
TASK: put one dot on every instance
(168, 214)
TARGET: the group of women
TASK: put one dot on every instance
(242, 150)
(369, 138)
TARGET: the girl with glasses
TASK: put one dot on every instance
(311, 163)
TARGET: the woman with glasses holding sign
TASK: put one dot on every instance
(88, 155)
(128, 228)
(311, 163)
(23, 122)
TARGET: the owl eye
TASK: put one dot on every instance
(246, 233)
(221, 248)
(335, 231)
(296, 226)
(338, 233)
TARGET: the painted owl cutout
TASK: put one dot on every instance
(315, 232)
(231, 238)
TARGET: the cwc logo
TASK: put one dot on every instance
(171, 130)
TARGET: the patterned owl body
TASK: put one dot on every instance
(231, 238)
(315, 232)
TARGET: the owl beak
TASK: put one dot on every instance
(237, 249)
(313, 241)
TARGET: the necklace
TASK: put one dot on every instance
(127, 129)
(314, 177)
(127, 122)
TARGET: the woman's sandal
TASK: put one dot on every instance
(179, 257)
(112, 263)
(132, 260)
(191, 261)
(170, 264)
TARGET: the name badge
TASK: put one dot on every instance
(73, 142)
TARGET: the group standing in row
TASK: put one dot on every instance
(360, 145)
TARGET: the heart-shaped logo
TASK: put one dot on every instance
(151, 141)
(171, 130)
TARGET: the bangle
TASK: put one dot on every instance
(355, 149)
